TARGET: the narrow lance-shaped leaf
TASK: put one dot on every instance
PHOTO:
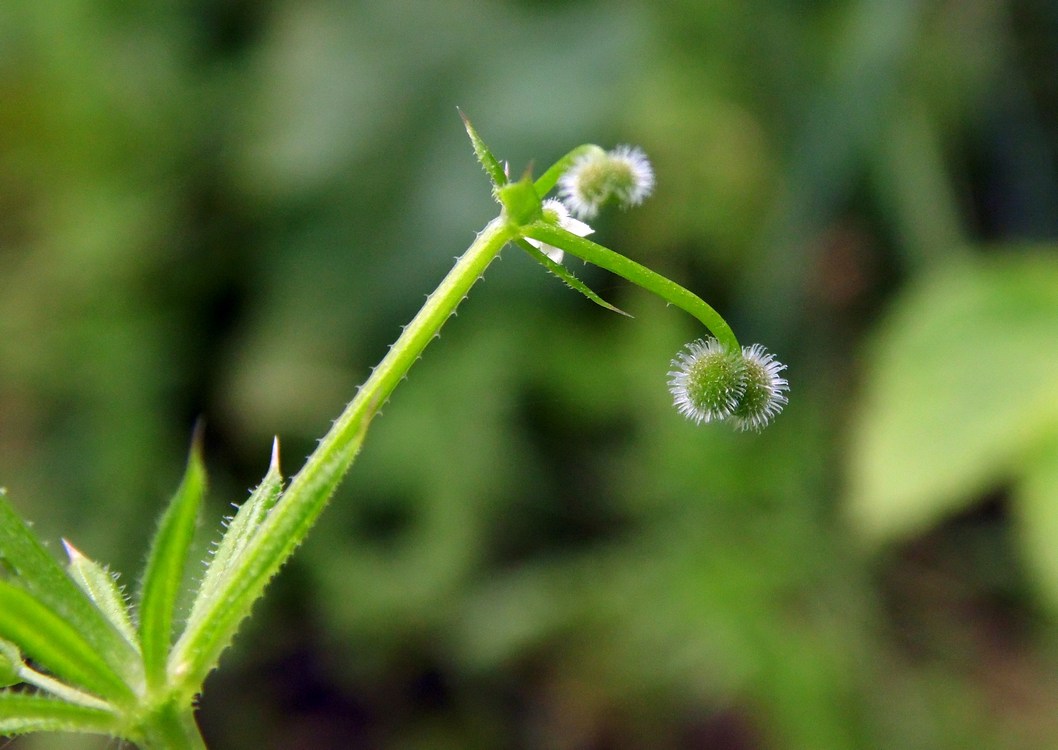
(45, 683)
(1036, 513)
(666, 288)
(567, 276)
(240, 531)
(166, 566)
(101, 587)
(489, 162)
(211, 630)
(57, 645)
(22, 713)
(40, 574)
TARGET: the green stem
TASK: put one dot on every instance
(171, 729)
(199, 648)
(424, 327)
(668, 290)
(549, 179)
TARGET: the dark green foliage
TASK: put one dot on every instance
(229, 209)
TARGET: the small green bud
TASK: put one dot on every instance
(10, 663)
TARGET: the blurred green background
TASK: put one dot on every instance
(227, 208)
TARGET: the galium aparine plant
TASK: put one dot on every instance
(85, 658)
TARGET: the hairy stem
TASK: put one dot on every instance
(199, 648)
(668, 290)
(172, 729)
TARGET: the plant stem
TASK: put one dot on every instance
(199, 648)
(423, 328)
(311, 487)
(637, 273)
(172, 729)
(549, 178)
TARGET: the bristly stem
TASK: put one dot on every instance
(172, 728)
(199, 648)
(637, 273)
(440, 305)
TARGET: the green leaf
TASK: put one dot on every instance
(166, 566)
(1035, 509)
(207, 635)
(604, 257)
(22, 713)
(39, 573)
(241, 530)
(102, 588)
(960, 385)
(48, 638)
(488, 162)
(10, 663)
(567, 276)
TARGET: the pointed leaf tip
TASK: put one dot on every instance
(101, 586)
(167, 563)
(198, 438)
(41, 574)
(568, 278)
(488, 162)
(72, 552)
(273, 464)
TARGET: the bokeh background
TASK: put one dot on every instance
(228, 208)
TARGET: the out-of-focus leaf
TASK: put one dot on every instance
(961, 381)
(1036, 509)
(10, 664)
